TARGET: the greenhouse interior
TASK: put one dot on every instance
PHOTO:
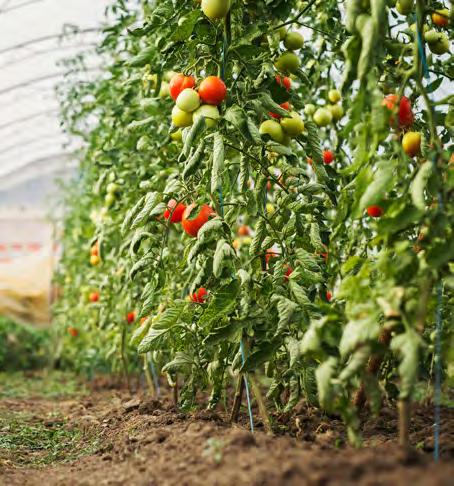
(226, 242)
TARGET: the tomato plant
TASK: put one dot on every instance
(210, 154)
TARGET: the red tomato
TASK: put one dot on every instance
(244, 230)
(269, 186)
(192, 226)
(374, 211)
(285, 105)
(286, 82)
(406, 116)
(212, 90)
(270, 253)
(329, 295)
(178, 83)
(176, 212)
(199, 296)
(288, 272)
(328, 156)
(131, 317)
(93, 297)
(73, 331)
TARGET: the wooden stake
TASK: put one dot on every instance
(261, 403)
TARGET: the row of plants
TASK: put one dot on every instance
(265, 194)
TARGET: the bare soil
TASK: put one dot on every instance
(109, 437)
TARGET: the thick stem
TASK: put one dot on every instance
(261, 403)
(124, 359)
(175, 392)
(148, 376)
(239, 390)
(404, 424)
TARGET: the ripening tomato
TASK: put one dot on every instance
(174, 213)
(329, 295)
(73, 331)
(328, 156)
(411, 143)
(131, 317)
(199, 296)
(93, 297)
(94, 250)
(288, 272)
(94, 259)
(212, 90)
(285, 106)
(178, 83)
(406, 116)
(285, 81)
(192, 226)
(374, 211)
(244, 230)
(188, 100)
(441, 17)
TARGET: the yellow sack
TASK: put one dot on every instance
(25, 288)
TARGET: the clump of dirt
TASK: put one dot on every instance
(137, 440)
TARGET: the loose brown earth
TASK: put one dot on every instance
(142, 441)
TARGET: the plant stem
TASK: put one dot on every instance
(237, 399)
(124, 359)
(404, 424)
(148, 377)
(175, 392)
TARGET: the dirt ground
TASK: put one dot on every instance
(103, 436)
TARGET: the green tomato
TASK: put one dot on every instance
(288, 62)
(336, 111)
(210, 112)
(334, 96)
(181, 118)
(112, 188)
(309, 109)
(109, 199)
(177, 136)
(215, 9)
(292, 126)
(404, 7)
(282, 31)
(323, 117)
(438, 42)
(188, 100)
(273, 129)
(293, 41)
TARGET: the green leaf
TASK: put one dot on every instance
(193, 162)
(193, 133)
(223, 250)
(151, 199)
(228, 332)
(131, 214)
(324, 375)
(181, 362)
(407, 345)
(144, 263)
(419, 183)
(382, 182)
(260, 356)
(270, 105)
(186, 27)
(218, 162)
(223, 303)
(161, 326)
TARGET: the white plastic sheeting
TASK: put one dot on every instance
(35, 36)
